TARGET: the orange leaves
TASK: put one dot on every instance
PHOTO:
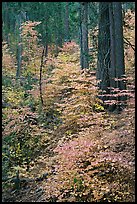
(70, 47)
(28, 27)
(31, 51)
(75, 90)
(8, 61)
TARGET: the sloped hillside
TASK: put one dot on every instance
(81, 152)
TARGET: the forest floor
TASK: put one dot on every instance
(87, 153)
(90, 156)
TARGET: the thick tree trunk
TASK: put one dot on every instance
(119, 50)
(119, 45)
(110, 50)
(84, 35)
(112, 70)
(103, 64)
(7, 21)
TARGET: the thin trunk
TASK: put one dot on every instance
(85, 35)
(46, 31)
(80, 37)
(40, 80)
(56, 41)
(19, 47)
(67, 33)
(20, 19)
(46, 38)
(58, 29)
(59, 25)
(46, 49)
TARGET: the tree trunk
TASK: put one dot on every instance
(119, 50)
(19, 47)
(6, 22)
(110, 50)
(112, 70)
(103, 64)
(46, 39)
(59, 25)
(58, 29)
(84, 35)
(20, 19)
(80, 37)
(119, 45)
(40, 78)
(67, 33)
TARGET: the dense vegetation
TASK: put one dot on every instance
(64, 137)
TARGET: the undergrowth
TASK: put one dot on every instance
(88, 152)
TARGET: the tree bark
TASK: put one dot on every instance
(67, 32)
(20, 19)
(112, 70)
(40, 80)
(110, 50)
(19, 47)
(6, 21)
(103, 64)
(119, 44)
(58, 28)
(46, 40)
(119, 49)
(84, 35)
(59, 25)
(80, 37)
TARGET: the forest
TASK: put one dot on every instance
(68, 101)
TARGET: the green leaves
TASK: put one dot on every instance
(75, 180)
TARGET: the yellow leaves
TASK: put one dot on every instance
(98, 107)
(65, 58)
(31, 50)
(69, 132)
(14, 97)
(82, 154)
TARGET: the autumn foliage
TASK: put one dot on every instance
(87, 152)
